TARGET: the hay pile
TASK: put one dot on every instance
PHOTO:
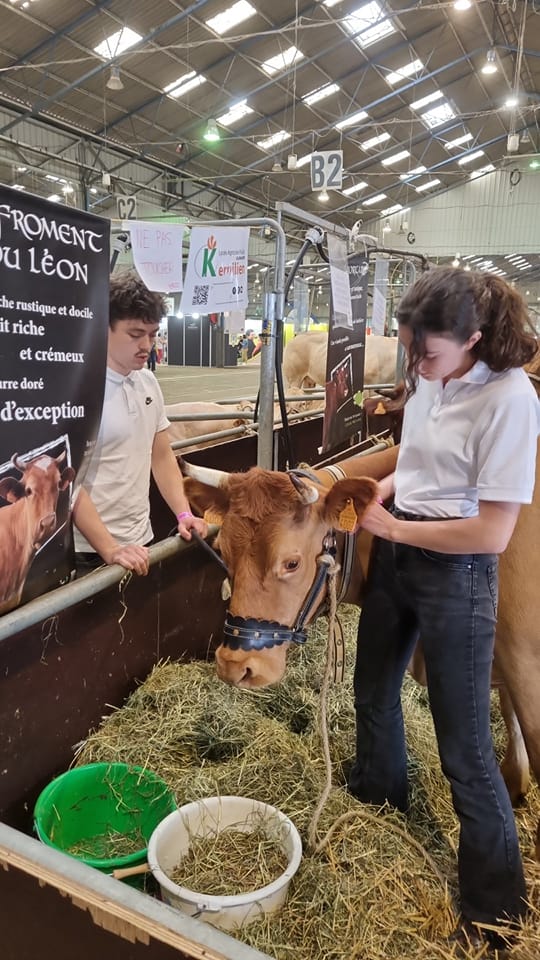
(375, 892)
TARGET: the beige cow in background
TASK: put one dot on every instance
(304, 360)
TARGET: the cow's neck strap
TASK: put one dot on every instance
(240, 633)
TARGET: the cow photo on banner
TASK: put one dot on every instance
(54, 280)
(345, 361)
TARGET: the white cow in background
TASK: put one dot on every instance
(304, 360)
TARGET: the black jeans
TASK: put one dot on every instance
(449, 603)
(87, 562)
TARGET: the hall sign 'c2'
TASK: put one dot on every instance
(216, 274)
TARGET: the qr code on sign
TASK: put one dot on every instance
(200, 296)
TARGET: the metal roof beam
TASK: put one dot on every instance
(62, 32)
(371, 105)
(40, 106)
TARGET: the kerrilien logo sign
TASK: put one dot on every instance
(216, 274)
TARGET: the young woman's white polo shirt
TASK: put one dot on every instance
(118, 475)
(473, 439)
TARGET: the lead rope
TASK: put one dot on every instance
(323, 732)
(322, 719)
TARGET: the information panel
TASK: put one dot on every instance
(54, 280)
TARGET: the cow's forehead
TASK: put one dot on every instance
(42, 463)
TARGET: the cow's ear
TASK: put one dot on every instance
(11, 489)
(67, 477)
(205, 499)
(347, 498)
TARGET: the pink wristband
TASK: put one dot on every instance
(184, 515)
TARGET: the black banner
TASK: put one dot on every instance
(54, 281)
(345, 362)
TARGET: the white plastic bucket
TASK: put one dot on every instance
(171, 840)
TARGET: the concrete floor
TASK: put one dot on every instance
(208, 383)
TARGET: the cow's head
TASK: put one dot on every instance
(39, 485)
(341, 379)
(272, 532)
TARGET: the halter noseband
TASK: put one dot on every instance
(241, 633)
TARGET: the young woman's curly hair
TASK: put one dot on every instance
(130, 299)
(449, 301)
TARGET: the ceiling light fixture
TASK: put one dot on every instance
(106, 179)
(115, 80)
(276, 167)
(462, 5)
(512, 142)
(211, 134)
(323, 196)
(387, 228)
(490, 65)
(511, 101)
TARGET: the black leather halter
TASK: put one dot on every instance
(247, 633)
(241, 633)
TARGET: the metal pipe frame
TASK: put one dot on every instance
(50, 604)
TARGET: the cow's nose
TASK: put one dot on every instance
(46, 524)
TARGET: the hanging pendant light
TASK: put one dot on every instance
(211, 134)
(115, 80)
(490, 65)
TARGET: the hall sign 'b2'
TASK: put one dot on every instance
(327, 170)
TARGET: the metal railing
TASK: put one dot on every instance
(50, 604)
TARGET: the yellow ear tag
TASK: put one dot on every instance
(380, 408)
(212, 518)
(348, 517)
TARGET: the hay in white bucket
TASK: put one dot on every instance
(174, 837)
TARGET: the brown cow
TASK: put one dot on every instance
(28, 520)
(304, 360)
(338, 391)
(269, 536)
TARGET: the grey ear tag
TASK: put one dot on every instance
(226, 589)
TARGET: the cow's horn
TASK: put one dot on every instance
(307, 494)
(213, 478)
(18, 463)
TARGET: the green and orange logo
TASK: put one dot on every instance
(209, 252)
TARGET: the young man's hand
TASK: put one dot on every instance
(130, 556)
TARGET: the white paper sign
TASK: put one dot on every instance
(216, 274)
(339, 281)
(157, 254)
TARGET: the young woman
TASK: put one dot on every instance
(466, 463)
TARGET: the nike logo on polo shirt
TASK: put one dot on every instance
(147, 400)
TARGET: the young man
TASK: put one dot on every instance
(112, 511)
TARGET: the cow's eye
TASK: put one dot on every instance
(291, 564)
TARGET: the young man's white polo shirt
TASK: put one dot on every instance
(473, 439)
(118, 475)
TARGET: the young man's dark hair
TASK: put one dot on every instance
(130, 298)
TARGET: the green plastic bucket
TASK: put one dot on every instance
(98, 812)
